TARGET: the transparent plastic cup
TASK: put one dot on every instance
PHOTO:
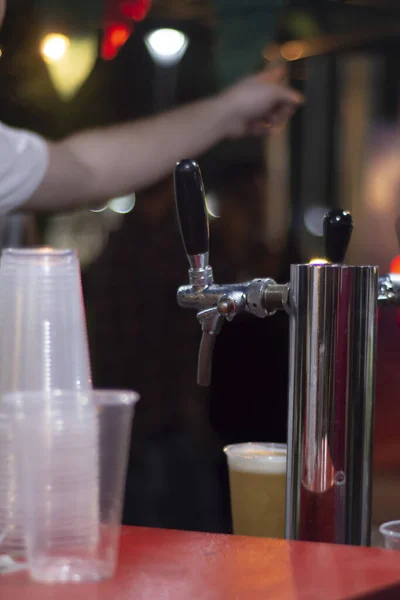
(257, 478)
(43, 342)
(73, 490)
(391, 534)
(43, 346)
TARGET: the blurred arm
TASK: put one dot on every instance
(90, 168)
(94, 166)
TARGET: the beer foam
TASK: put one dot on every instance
(257, 458)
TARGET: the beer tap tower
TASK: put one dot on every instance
(332, 309)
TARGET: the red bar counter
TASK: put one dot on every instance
(160, 564)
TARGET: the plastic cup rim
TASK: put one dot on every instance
(112, 397)
(279, 455)
(385, 530)
(38, 252)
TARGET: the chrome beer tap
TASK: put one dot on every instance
(332, 362)
(214, 303)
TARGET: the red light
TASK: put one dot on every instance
(118, 35)
(395, 265)
(135, 9)
(108, 51)
(395, 268)
(114, 37)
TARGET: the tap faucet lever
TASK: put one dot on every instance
(338, 226)
(214, 303)
(193, 220)
(194, 227)
(211, 322)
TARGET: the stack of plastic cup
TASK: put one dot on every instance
(72, 488)
(43, 346)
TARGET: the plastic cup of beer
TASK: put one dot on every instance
(257, 479)
(391, 534)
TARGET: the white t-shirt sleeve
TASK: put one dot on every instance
(24, 159)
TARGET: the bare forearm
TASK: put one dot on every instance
(92, 167)
(129, 157)
(104, 163)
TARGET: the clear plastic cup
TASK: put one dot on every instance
(43, 343)
(73, 489)
(391, 534)
(257, 478)
(43, 346)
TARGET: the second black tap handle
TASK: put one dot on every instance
(191, 207)
(338, 225)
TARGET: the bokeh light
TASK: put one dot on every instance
(54, 47)
(166, 46)
(395, 265)
(123, 205)
(72, 62)
(314, 219)
(212, 205)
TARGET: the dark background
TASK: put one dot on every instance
(139, 337)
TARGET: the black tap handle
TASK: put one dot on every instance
(338, 226)
(191, 207)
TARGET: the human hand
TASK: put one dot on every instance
(259, 102)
